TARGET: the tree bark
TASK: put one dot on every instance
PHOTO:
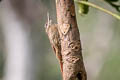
(73, 66)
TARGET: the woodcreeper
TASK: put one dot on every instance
(54, 37)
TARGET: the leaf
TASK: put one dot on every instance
(114, 5)
(82, 8)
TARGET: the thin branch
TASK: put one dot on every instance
(100, 8)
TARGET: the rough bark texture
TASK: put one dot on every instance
(73, 66)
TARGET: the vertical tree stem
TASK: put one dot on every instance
(73, 66)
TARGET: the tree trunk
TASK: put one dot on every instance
(73, 66)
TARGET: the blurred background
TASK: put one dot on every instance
(25, 51)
